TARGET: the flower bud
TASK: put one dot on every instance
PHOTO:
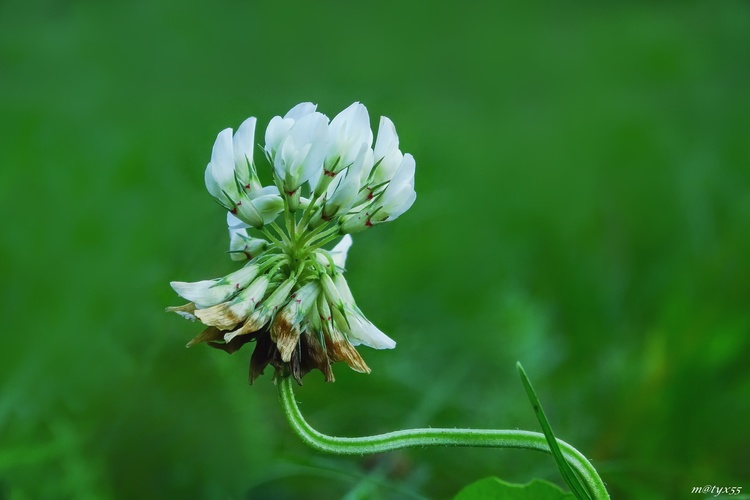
(398, 196)
(356, 222)
(219, 176)
(244, 247)
(343, 190)
(330, 291)
(260, 207)
(387, 158)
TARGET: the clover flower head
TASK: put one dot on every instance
(291, 298)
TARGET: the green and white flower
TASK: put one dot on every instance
(349, 134)
(296, 146)
(232, 179)
(291, 297)
(241, 245)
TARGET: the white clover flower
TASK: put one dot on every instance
(296, 144)
(349, 134)
(232, 179)
(387, 158)
(397, 197)
(291, 298)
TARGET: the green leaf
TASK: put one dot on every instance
(492, 488)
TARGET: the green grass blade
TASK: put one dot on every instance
(570, 478)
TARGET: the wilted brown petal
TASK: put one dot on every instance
(265, 351)
(252, 324)
(207, 335)
(285, 335)
(304, 353)
(220, 316)
(294, 365)
(339, 349)
(233, 345)
(186, 309)
(314, 356)
(249, 327)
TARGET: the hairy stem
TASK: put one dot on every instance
(433, 437)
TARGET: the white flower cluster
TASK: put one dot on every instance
(291, 297)
(348, 178)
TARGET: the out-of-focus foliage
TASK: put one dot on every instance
(492, 488)
(583, 179)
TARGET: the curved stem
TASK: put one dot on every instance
(433, 437)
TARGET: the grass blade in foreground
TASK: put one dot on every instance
(570, 478)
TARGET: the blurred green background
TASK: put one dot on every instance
(583, 179)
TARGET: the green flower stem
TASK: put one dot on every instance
(433, 437)
(311, 207)
(281, 233)
(334, 233)
(308, 235)
(321, 238)
(270, 236)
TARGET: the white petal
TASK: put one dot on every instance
(208, 293)
(300, 110)
(387, 140)
(343, 190)
(406, 200)
(199, 291)
(301, 152)
(222, 162)
(399, 196)
(340, 251)
(265, 191)
(387, 155)
(342, 287)
(331, 291)
(269, 207)
(364, 332)
(213, 187)
(368, 160)
(314, 159)
(405, 173)
(347, 133)
(186, 315)
(243, 147)
(234, 223)
(277, 130)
